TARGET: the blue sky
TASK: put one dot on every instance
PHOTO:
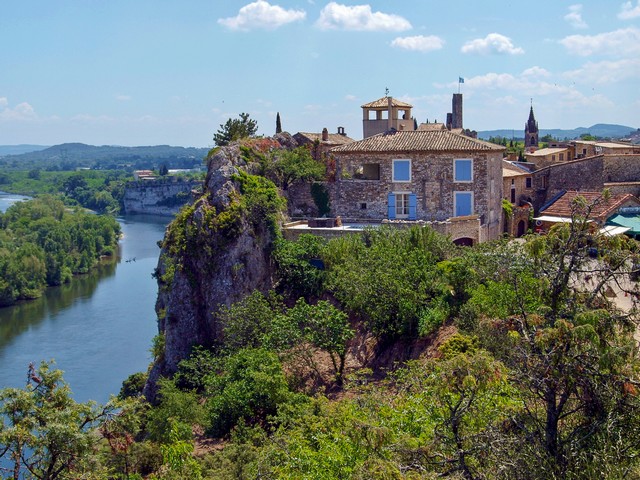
(146, 72)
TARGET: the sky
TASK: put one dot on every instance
(149, 72)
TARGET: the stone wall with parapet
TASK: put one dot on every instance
(157, 197)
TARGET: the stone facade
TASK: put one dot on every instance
(618, 173)
(365, 182)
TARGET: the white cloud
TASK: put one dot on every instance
(492, 43)
(350, 98)
(360, 18)
(574, 17)
(628, 11)
(419, 43)
(621, 42)
(606, 72)
(261, 14)
(21, 112)
(536, 72)
(122, 98)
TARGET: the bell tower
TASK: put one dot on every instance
(531, 132)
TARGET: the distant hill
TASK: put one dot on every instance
(599, 130)
(18, 149)
(74, 155)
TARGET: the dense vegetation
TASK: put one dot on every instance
(43, 242)
(535, 376)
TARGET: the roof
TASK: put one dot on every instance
(604, 144)
(546, 151)
(430, 127)
(564, 206)
(511, 170)
(384, 103)
(419, 141)
(335, 138)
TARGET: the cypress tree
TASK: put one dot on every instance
(278, 124)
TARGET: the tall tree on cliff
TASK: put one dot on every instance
(235, 129)
(278, 124)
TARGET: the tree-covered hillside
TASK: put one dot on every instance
(391, 354)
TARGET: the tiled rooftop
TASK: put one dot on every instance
(562, 207)
(434, 141)
(334, 138)
(384, 103)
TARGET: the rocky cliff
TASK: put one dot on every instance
(215, 252)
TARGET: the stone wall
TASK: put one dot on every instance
(431, 180)
(619, 173)
(154, 197)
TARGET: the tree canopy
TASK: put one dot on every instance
(235, 129)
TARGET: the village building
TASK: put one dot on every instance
(324, 140)
(386, 114)
(517, 189)
(548, 156)
(436, 176)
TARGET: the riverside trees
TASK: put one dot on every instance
(43, 243)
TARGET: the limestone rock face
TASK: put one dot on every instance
(214, 253)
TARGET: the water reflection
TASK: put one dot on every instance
(21, 317)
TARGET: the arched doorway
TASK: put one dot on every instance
(522, 228)
(464, 242)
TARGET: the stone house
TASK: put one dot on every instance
(321, 143)
(436, 176)
(588, 148)
(548, 156)
(517, 189)
(617, 173)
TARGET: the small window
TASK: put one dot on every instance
(527, 182)
(363, 206)
(463, 170)
(553, 158)
(562, 157)
(463, 203)
(402, 170)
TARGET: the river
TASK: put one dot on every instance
(99, 327)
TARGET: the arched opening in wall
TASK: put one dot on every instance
(522, 228)
(464, 242)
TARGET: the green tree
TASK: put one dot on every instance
(278, 124)
(45, 434)
(235, 129)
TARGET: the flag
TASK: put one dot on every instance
(460, 80)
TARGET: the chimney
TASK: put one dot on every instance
(341, 131)
(325, 135)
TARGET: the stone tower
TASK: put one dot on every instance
(456, 111)
(531, 132)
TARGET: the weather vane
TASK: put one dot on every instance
(386, 92)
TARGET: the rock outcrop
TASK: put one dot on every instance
(214, 253)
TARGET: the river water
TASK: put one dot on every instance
(98, 328)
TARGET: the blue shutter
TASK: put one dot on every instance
(412, 206)
(391, 200)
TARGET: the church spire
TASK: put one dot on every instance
(531, 131)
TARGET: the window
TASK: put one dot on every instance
(527, 182)
(462, 203)
(463, 170)
(553, 158)
(371, 171)
(401, 170)
(562, 157)
(402, 205)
